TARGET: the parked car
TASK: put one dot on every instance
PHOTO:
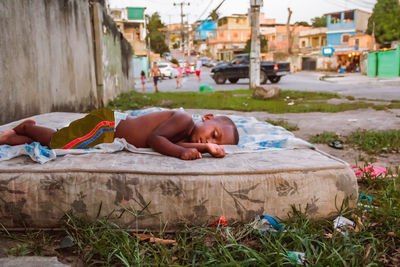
(214, 63)
(181, 62)
(204, 61)
(167, 70)
(238, 68)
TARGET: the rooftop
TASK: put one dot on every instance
(347, 11)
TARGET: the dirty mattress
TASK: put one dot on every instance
(167, 190)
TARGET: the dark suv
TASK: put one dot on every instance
(238, 68)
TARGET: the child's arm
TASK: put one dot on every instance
(214, 149)
(178, 124)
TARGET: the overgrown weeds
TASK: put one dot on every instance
(285, 124)
(323, 138)
(372, 142)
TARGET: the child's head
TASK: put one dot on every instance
(218, 130)
(142, 73)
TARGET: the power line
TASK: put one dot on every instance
(205, 10)
(343, 4)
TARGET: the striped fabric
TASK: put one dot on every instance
(95, 128)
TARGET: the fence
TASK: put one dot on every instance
(385, 64)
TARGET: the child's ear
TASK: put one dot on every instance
(208, 117)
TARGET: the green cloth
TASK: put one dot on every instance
(95, 128)
(205, 88)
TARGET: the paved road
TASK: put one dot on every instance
(355, 85)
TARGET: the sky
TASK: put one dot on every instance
(303, 10)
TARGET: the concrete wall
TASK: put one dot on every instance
(362, 18)
(117, 70)
(322, 63)
(47, 59)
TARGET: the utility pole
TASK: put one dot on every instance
(255, 43)
(373, 34)
(182, 30)
(188, 35)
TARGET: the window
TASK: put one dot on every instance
(222, 21)
(303, 43)
(348, 16)
(335, 18)
(116, 14)
(345, 38)
(357, 41)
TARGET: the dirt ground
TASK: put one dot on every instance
(342, 123)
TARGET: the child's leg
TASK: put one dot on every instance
(28, 128)
(10, 137)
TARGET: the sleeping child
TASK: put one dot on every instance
(171, 133)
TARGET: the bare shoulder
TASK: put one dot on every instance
(182, 115)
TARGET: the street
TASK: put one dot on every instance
(353, 84)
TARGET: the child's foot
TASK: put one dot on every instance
(20, 128)
(10, 137)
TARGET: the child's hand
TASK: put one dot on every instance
(190, 154)
(216, 150)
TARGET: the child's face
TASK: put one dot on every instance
(212, 131)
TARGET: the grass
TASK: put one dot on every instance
(240, 100)
(372, 142)
(322, 78)
(283, 123)
(103, 243)
(323, 138)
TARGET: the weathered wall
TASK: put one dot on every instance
(47, 59)
(117, 60)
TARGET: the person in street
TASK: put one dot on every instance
(155, 72)
(143, 80)
(187, 69)
(178, 76)
(171, 133)
(198, 67)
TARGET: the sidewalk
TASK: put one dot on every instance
(351, 78)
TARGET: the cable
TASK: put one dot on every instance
(343, 4)
(205, 10)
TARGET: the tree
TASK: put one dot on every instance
(386, 17)
(290, 31)
(157, 38)
(214, 15)
(318, 22)
(302, 23)
(263, 45)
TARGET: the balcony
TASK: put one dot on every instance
(341, 21)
